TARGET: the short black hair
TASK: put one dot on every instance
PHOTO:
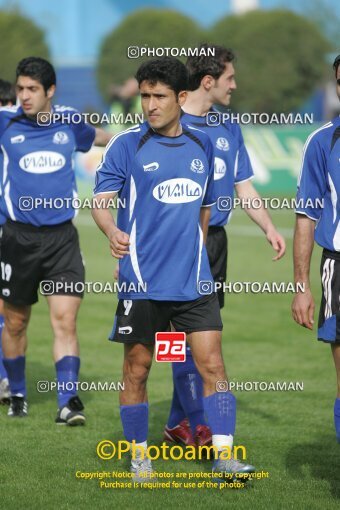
(167, 70)
(200, 66)
(38, 69)
(7, 93)
(336, 64)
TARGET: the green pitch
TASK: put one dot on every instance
(288, 434)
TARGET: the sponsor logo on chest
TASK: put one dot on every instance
(177, 191)
(42, 162)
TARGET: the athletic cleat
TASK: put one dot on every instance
(203, 435)
(18, 407)
(5, 393)
(232, 466)
(70, 414)
(141, 470)
(180, 434)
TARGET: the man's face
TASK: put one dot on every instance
(32, 95)
(338, 81)
(221, 92)
(160, 105)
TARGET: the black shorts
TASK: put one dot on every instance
(137, 321)
(30, 255)
(329, 315)
(217, 249)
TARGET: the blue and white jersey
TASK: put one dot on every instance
(318, 195)
(37, 163)
(166, 181)
(231, 161)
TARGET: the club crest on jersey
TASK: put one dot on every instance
(222, 144)
(177, 191)
(197, 166)
(42, 162)
(151, 167)
(18, 139)
(220, 169)
(60, 137)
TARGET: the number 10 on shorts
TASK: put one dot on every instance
(170, 346)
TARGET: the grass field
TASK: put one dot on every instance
(288, 434)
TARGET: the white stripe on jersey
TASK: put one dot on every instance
(334, 196)
(7, 186)
(236, 165)
(133, 129)
(133, 197)
(326, 126)
(133, 254)
(199, 254)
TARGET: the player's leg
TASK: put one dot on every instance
(134, 407)
(4, 385)
(14, 342)
(19, 280)
(63, 269)
(135, 325)
(336, 357)
(63, 316)
(329, 318)
(187, 403)
(188, 384)
(220, 407)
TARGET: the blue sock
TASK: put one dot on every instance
(220, 410)
(176, 412)
(16, 374)
(135, 420)
(3, 373)
(67, 369)
(337, 418)
(189, 387)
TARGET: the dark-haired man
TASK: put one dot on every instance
(212, 82)
(7, 98)
(320, 181)
(165, 169)
(39, 240)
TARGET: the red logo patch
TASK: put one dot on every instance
(170, 346)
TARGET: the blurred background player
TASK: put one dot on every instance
(212, 81)
(320, 180)
(7, 98)
(40, 243)
(125, 100)
(141, 160)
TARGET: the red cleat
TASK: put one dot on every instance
(180, 434)
(203, 435)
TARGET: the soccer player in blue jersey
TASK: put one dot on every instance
(212, 82)
(165, 170)
(7, 98)
(318, 219)
(40, 243)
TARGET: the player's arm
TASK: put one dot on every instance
(247, 193)
(204, 220)
(102, 137)
(119, 241)
(303, 304)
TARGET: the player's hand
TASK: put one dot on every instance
(303, 307)
(277, 242)
(119, 243)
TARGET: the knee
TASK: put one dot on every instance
(212, 368)
(16, 324)
(64, 324)
(136, 372)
